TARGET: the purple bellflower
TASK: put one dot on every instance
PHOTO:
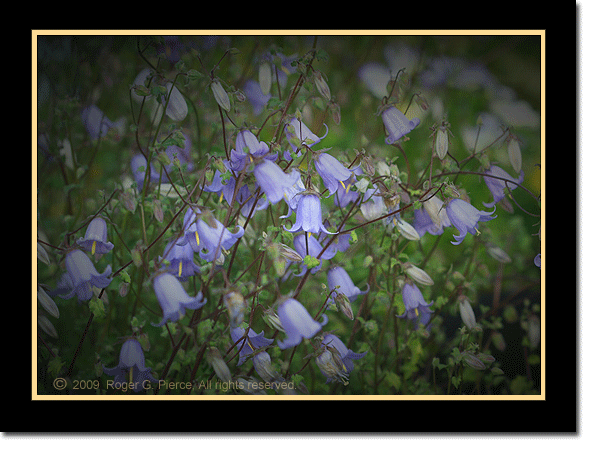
(95, 240)
(465, 218)
(339, 281)
(181, 260)
(96, 123)
(138, 165)
(207, 239)
(336, 363)
(273, 181)
(82, 275)
(297, 323)
(305, 244)
(309, 215)
(247, 141)
(254, 94)
(131, 368)
(497, 186)
(173, 299)
(251, 343)
(397, 125)
(417, 309)
(332, 172)
(299, 134)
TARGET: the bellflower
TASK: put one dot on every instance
(244, 197)
(173, 299)
(396, 123)
(247, 141)
(82, 275)
(339, 281)
(345, 357)
(417, 309)
(497, 186)
(131, 368)
(251, 343)
(309, 215)
(332, 172)
(207, 239)
(297, 323)
(273, 181)
(298, 134)
(95, 240)
(305, 244)
(181, 260)
(254, 94)
(465, 218)
(96, 123)
(138, 165)
(431, 218)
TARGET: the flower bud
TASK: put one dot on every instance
(265, 77)
(48, 304)
(533, 330)
(441, 142)
(220, 95)
(514, 153)
(498, 254)
(321, 85)
(407, 230)
(177, 108)
(45, 324)
(236, 305)
(215, 359)
(467, 313)
(272, 319)
(331, 365)
(473, 361)
(419, 275)
(344, 304)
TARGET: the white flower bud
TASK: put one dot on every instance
(220, 95)
(321, 85)
(467, 313)
(407, 230)
(441, 142)
(419, 275)
(48, 304)
(514, 153)
(265, 77)
(47, 326)
(218, 364)
(236, 305)
(498, 254)
(177, 108)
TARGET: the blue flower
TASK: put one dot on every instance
(181, 260)
(299, 134)
(417, 309)
(138, 165)
(173, 299)
(96, 123)
(254, 94)
(497, 186)
(95, 240)
(397, 125)
(207, 239)
(248, 344)
(81, 275)
(305, 244)
(246, 140)
(431, 218)
(309, 215)
(332, 172)
(336, 363)
(273, 181)
(297, 323)
(131, 367)
(465, 218)
(339, 281)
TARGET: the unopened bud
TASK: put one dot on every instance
(236, 306)
(344, 305)
(177, 108)
(272, 319)
(467, 313)
(265, 77)
(45, 324)
(422, 102)
(533, 330)
(514, 153)
(473, 361)
(215, 359)
(419, 275)
(321, 84)
(498, 254)
(442, 142)
(335, 111)
(331, 365)
(47, 303)
(220, 95)
(407, 230)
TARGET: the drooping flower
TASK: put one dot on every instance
(309, 215)
(96, 123)
(181, 260)
(131, 368)
(417, 309)
(173, 299)
(299, 134)
(432, 218)
(138, 165)
(332, 172)
(249, 344)
(339, 367)
(255, 96)
(297, 323)
(81, 275)
(339, 281)
(247, 149)
(397, 125)
(306, 244)
(497, 186)
(465, 218)
(207, 239)
(273, 181)
(95, 240)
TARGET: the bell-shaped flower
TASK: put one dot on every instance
(465, 218)
(497, 185)
(373, 206)
(247, 345)
(432, 217)
(244, 197)
(396, 124)
(297, 323)
(305, 244)
(138, 165)
(95, 240)
(273, 181)
(342, 359)
(309, 215)
(248, 148)
(173, 299)
(207, 238)
(96, 123)
(255, 96)
(339, 282)
(417, 309)
(131, 368)
(181, 260)
(82, 275)
(298, 134)
(332, 172)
